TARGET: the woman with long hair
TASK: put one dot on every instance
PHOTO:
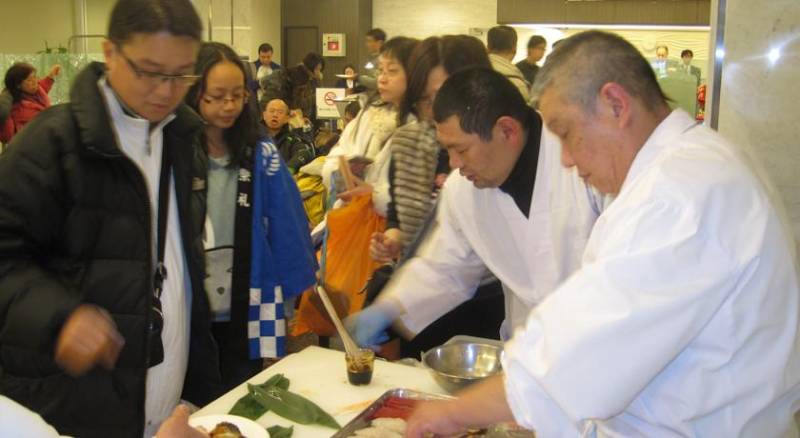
(416, 154)
(364, 140)
(258, 251)
(418, 167)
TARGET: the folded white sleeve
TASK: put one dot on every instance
(444, 273)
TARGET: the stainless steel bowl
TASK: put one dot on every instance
(458, 365)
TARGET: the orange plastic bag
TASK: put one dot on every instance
(349, 266)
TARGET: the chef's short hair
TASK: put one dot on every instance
(478, 97)
(583, 63)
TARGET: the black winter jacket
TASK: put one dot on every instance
(295, 150)
(75, 227)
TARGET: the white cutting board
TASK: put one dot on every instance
(320, 375)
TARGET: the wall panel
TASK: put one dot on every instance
(351, 17)
(681, 12)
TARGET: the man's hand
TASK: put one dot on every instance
(361, 188)
(54, 71)
(479, 405)
(435, 417)
(358, 166)
(385, 247)
(89, 338)
(177, 425)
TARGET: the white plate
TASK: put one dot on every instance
(248, 428)
(346, 76)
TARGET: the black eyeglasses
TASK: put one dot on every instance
(154, 79)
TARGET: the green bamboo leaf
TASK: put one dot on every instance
(278, 401)
(292, 406)
(280, 432)
(248, 407)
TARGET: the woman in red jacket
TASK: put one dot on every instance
(29, 95)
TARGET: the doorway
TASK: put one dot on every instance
(297, 42)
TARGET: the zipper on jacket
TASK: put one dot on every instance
(138, 170)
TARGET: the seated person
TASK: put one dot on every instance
(296, 151)
(350, 81)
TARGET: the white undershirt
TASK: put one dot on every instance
(165, 380)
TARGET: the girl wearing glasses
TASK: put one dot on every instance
(258, 250)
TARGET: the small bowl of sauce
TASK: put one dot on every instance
(359, 366)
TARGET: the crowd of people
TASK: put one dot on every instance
(159, 234)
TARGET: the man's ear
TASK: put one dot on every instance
(509, 127)
(109, 49)
(616, 100)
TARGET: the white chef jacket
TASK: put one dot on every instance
(484, 228)
(682, 320)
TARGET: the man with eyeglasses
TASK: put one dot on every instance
(104, 323)
(294, 149)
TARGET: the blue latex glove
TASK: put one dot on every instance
(368, 327)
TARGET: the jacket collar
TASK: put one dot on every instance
(93, 117)
(662, 138)
(281, 134)
(519, 184)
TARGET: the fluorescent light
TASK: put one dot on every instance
(613, 26)
(774, 55)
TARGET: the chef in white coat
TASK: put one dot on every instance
(511, 209)
(682, 320)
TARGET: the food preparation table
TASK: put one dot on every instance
(320, 375)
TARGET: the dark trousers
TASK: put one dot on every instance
(234, 362)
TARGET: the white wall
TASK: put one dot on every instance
(423, 18)
(98, 13)
(254, 22)
(266, 27)
(27, 24)
(759, 90)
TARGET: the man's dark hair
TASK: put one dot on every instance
(687, 52)
(312, 60)
(177, 17)
(536, 41)
(244, 132)
(265, 47)
(501, 39)
(377, 34)
(584, 62)
(479, 97)
(452, 52)
(15, 76)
